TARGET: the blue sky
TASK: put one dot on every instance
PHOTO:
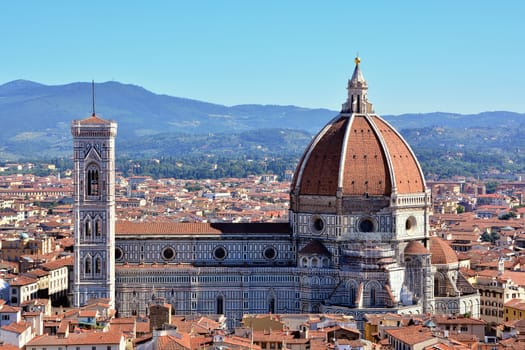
(418, 56)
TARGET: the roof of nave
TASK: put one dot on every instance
(164, 228)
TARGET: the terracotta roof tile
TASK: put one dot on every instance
(409, 178)
(315, 247)
(17, 327)
(93, 119)
(142, 228)
(321, 169)
(416, 248)
(22, 281)
(92, 338)
(441, 252)
(367, 152)
(411, 335)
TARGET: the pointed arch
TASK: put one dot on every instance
(272, 304)
(304, 262)
(373, 294)
(88, 228)
(219, 305)
(87, 265)
(351, 292)
(98, 265)
(97, 227)
(92, 182)
(440, 285)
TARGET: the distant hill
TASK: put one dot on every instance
(36, 120)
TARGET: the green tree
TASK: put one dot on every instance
(489, 237)
(491, 186)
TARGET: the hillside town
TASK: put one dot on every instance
(485, 234)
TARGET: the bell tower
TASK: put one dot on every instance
(94, 209)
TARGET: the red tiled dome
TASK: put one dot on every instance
(441, 252)
(416, 248)
(358, 154)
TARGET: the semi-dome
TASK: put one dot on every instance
(358, 154)
(441, 252)
(416, 248)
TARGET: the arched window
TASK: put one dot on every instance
(373, 296)
(440, 286)
(87, 265)
(98, 227)
(271, 305)
(304, 262)
(87, 228)
(98, 265)
(92, 181)
(351, 295)
(220, 305)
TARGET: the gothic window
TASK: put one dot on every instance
(98, 265)
(92, 181)
(98, 228)
(220, 305)
(440, 286)
(373, 297)
(271, 305)
(87, 265)
(351, 294)
(87, 229)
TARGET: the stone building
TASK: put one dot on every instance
(357, 240)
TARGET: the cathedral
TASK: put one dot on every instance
(357, 240)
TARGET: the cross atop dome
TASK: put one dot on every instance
(357, 101)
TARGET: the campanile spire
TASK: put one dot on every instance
(357, 101)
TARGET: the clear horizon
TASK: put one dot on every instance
(461, 57)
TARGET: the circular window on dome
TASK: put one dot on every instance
(219, 253)
(410, 225)
(168, 253)
(270, 253)
(366, 225)
(317, 224)
(119, 254)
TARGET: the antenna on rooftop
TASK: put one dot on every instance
(93, 94)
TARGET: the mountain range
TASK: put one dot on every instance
(36, 119)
